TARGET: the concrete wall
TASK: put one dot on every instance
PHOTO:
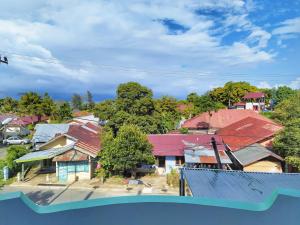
(264, 166)
(58, 143)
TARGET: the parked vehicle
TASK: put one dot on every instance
(15, 140)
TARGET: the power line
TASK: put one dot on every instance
(166, 73)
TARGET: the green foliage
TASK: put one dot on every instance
(13, 153)
(126, 151)
(77, 102)
(173, 178)
(2, 165)
(90, 101)
(232, 92)
(30, 103)
(203, 103)
(105, 110)
(288, 110)
(8, 105)
(62, 112)
(282, 93)
(135, 99)
(288, 141)
(184, 130)
(47, 105)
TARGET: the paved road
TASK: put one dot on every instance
(2, 151)
(55, 195)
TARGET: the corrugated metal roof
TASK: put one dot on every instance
(174, 144)
(248, 131)
(253, 153)
(45, 154)
(204, 156)
(238, 185)
(45, 132)
(221, 118)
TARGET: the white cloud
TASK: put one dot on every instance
(290, 26)
(81, 37)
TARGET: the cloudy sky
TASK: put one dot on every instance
(174, 47)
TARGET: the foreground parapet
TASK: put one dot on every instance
(280, 208)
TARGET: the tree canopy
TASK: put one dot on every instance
(128, 150)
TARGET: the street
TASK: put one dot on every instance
(54, 195)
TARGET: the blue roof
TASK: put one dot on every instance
(45, 132)
(238, 185)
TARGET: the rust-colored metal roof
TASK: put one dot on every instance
(71, 155)
(173, 144)
(86, 139)
(220, 119)
(247, 132)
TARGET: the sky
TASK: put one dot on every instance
(174, 47)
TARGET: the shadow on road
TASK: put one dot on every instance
(41, 197)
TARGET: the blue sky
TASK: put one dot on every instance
(174, 47)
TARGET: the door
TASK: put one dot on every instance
(62, 172)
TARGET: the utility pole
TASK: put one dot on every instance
(3, 59)
(214, 144)
(181, 183)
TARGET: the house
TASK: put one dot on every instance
(238, 186)
(9, 130)
(256, 135)
(257, 158)
(255, 101)
(170, 150)
(27, 120)
(45, 132)
(85, 119)
(212, 121)
(71, 155)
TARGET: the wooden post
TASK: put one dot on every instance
(23, 171)
(181, 184)
(214, 144)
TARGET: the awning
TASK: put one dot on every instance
(43, 154)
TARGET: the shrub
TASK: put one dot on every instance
(173, 178)
(184, 130)
(13, 153)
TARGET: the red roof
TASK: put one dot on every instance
(173, 145)
(26, 120)
(247, 132)
(254, 95)
(86, 139)
(221, 118)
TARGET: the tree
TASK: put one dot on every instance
(232, 92)
(62, 112)
(127, 151)
(282, 93)
(13, 153)
(288, 110)
(288, 141)
(8, 105)
(105, 110)
(30, 104)
(77, 101)
(47, 105)
(90, 101)
(204, 103)
(135, 99)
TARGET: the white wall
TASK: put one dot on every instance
(170, 163)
